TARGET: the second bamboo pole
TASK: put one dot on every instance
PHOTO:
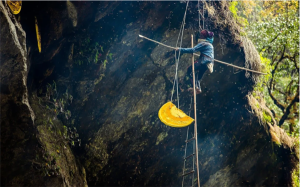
(195, 115)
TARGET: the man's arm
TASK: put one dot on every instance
(191, 50)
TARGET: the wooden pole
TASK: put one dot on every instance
(195, 115)
(250, 70)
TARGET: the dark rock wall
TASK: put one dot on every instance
(17, 117)
(26, 143)
(118, 82)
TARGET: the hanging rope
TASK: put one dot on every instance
(203, 13)
(238, 67)
(199, 16)
(177, 59)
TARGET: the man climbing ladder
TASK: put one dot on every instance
(205, 61)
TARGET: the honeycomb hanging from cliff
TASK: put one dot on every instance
(15, 6)
(174, 117)
(38, 35)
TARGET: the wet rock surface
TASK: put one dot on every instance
(97, 75)
(17, 117)
(31, 155)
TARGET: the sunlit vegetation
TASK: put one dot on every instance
(273, 27)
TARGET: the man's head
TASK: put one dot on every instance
(206, 34)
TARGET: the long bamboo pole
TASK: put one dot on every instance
(195, 115)
(199, 55)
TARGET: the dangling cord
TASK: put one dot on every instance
(182, 24)
(177, 58)
(203, 13)
(199, 16)
(176, 67)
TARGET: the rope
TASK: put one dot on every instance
(177, 62)
(238, 67)
(199, 16)
(203, 14)
(177, 59)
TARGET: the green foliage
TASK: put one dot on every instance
(266, 68)
(106, 60)
(278, 143)
(91, 53)
(233, 7)
(87, 52)
(65, 131)
(110, 56)
(96, 57)
(104, 63)
(274, 30)
(295, 174)
(267, 117)
(295, 177)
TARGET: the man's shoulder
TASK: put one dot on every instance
(206, 43)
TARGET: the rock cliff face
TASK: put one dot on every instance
(31, 153)
(17, 117)
(96, 74)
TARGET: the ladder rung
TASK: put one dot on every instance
(187, 141)
(190, 156)
(188, 173)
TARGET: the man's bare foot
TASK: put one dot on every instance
(191, 90)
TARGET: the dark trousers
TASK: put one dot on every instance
(200, 69)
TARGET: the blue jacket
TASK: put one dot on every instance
(205, 47)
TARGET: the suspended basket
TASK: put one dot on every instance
(14, 6)
(170, 115)
(38, 35)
